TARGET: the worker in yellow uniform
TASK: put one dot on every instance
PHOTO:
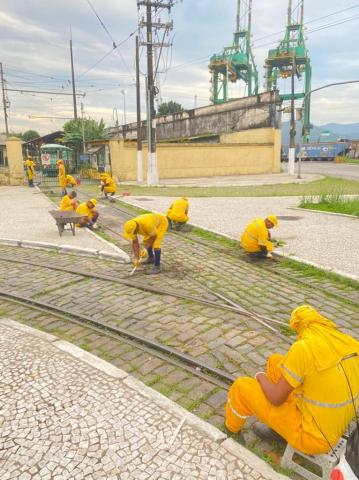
(108, 185)
(256, 237)
(153, 228)
(306, 396)
(69, 202)
(177, 214)
(90, 213)
(62, 176)
(70, 181)
(30, 170)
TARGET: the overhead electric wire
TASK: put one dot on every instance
(308, 22)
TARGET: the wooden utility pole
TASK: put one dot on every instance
(4, 100)
(151, 91)
(138, 103)
(73, 80)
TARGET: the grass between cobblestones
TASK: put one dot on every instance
(280, 190)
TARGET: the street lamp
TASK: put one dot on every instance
(302, 109)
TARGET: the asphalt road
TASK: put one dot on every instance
(350, 172)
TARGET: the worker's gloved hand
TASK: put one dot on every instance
(137, 262)
(269, 255)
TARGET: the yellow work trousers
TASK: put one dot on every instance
(246, 399)
(161, 232)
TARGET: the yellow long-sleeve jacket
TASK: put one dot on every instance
(178, 211)
(255, 236)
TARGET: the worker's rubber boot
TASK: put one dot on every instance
(156, 268)
(150, 260)
(154, 271)
(266, 433)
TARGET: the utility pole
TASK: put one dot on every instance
(291, 154)
(83, 129)
(4, 100)
(124, 123)
(138, 103)
(73, 78)
(151, 91)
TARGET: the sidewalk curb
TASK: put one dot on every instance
(72, 250)
(316, 265)
(192, 419)
(251, 459)
(232, 447)
(323, 211)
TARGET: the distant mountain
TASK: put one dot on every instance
(337, 130)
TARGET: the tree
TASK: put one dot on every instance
(73, 132)
(168, 108)
(30, 135)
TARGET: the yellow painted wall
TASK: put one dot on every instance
(241, 153)
(14, 173)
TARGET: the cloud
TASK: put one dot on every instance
(34, 46)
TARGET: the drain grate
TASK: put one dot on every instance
(288, 218)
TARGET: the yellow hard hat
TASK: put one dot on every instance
(104, 175)
(185, 198)
(93, 201)
(273, 219)
(59, 161)
(129, 229)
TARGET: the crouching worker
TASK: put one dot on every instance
(88, 209)
(309, 395)
(70, 181)
(108, 186)
(256, 237)
(177, 214)
(153, 227)
(69, 202)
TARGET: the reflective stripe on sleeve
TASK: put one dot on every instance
(292, 374)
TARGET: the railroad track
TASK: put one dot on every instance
(172, 356)
(247, 265)
(231, 305)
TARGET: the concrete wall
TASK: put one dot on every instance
(257, 111)
(248, 152)
(14, 173)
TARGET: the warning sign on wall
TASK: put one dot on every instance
(45, 159)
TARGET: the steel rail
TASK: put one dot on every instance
(171, 355)
(235, 308)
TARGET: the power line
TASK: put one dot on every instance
(308, 22)
(42, 92)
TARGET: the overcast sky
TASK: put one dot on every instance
(34, 49)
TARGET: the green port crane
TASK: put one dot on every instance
(291, 58)
(235, 63)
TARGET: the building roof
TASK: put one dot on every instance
(50, 137)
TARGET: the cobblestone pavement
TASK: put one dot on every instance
(222, 339)
(63, 419)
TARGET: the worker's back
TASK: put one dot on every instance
(178, 210)
(66, 203)
(322, 394)
(255, 234)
